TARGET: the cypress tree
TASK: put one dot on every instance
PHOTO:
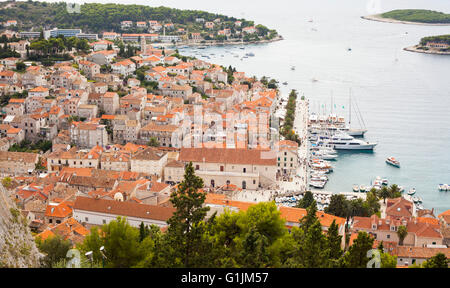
(185, 231)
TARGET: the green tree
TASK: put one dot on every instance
(20, 66)
(153, 142)
(121, 242)
(6, 182)
(184, 229)
(338, 206)
(55, 249)
(402, 232)
(334, 241)
(356, 256)
(306, 201)
(388, 261)
(384, 193)
(437, 261)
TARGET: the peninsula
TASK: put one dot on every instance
(412, 16)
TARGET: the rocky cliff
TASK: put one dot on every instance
(17, 246)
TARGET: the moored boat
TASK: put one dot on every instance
(392, 161)
(412, 191)
(355, 188)
(443, 187)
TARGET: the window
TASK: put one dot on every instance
(244, 185)
(86, 219)
(221, 168)
(197, 167)
(50, 220)
(244, 170)
(104, 221)
(58, 221)
(254, 182)
(212, 183)
(388, 236)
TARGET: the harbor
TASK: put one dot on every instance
(399, 102)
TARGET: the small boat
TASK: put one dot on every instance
(443, 187)
(317, 184)
(401, 189)
(355, 188)
(349, 49)
(412, 191)
(314, 80)
(362, 188)
(293, 68)
(251, 54)
(419, 207)
(392, 161)
(384, 181)
(419, 199)
(285, 83)
(415, 199)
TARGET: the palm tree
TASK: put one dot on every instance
(384, 193)
(402, 232)
(394, 190)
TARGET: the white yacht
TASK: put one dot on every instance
(347, 142)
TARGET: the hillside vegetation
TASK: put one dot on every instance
(418, 15)
(439, 39)
(96, 17)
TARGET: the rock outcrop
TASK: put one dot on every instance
(17, 246)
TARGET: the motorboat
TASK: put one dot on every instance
(392, 161)
(251, 54)
(419, 199)
(401, 189)
(346, 142)
(293, 68)
(412, 191)
(362, 188)
(317, 184)
(419, 207)
(443, 187)
(355, 188)
(285, 83)
(415, 199)
(384, 181)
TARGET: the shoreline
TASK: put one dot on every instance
(227, 43)
(377, 17)
(414, 49)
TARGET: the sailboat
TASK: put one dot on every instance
(355, 132)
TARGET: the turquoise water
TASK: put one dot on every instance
(405, 103)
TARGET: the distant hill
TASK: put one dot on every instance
(418, 15)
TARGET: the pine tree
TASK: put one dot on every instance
(356, 257)
(306, 201)
(185, 231)
(310, 217)
(334, 241)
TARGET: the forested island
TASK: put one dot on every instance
(412, 16)
(98, 18)
(433, 45)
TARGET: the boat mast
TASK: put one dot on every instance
(350, 108)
